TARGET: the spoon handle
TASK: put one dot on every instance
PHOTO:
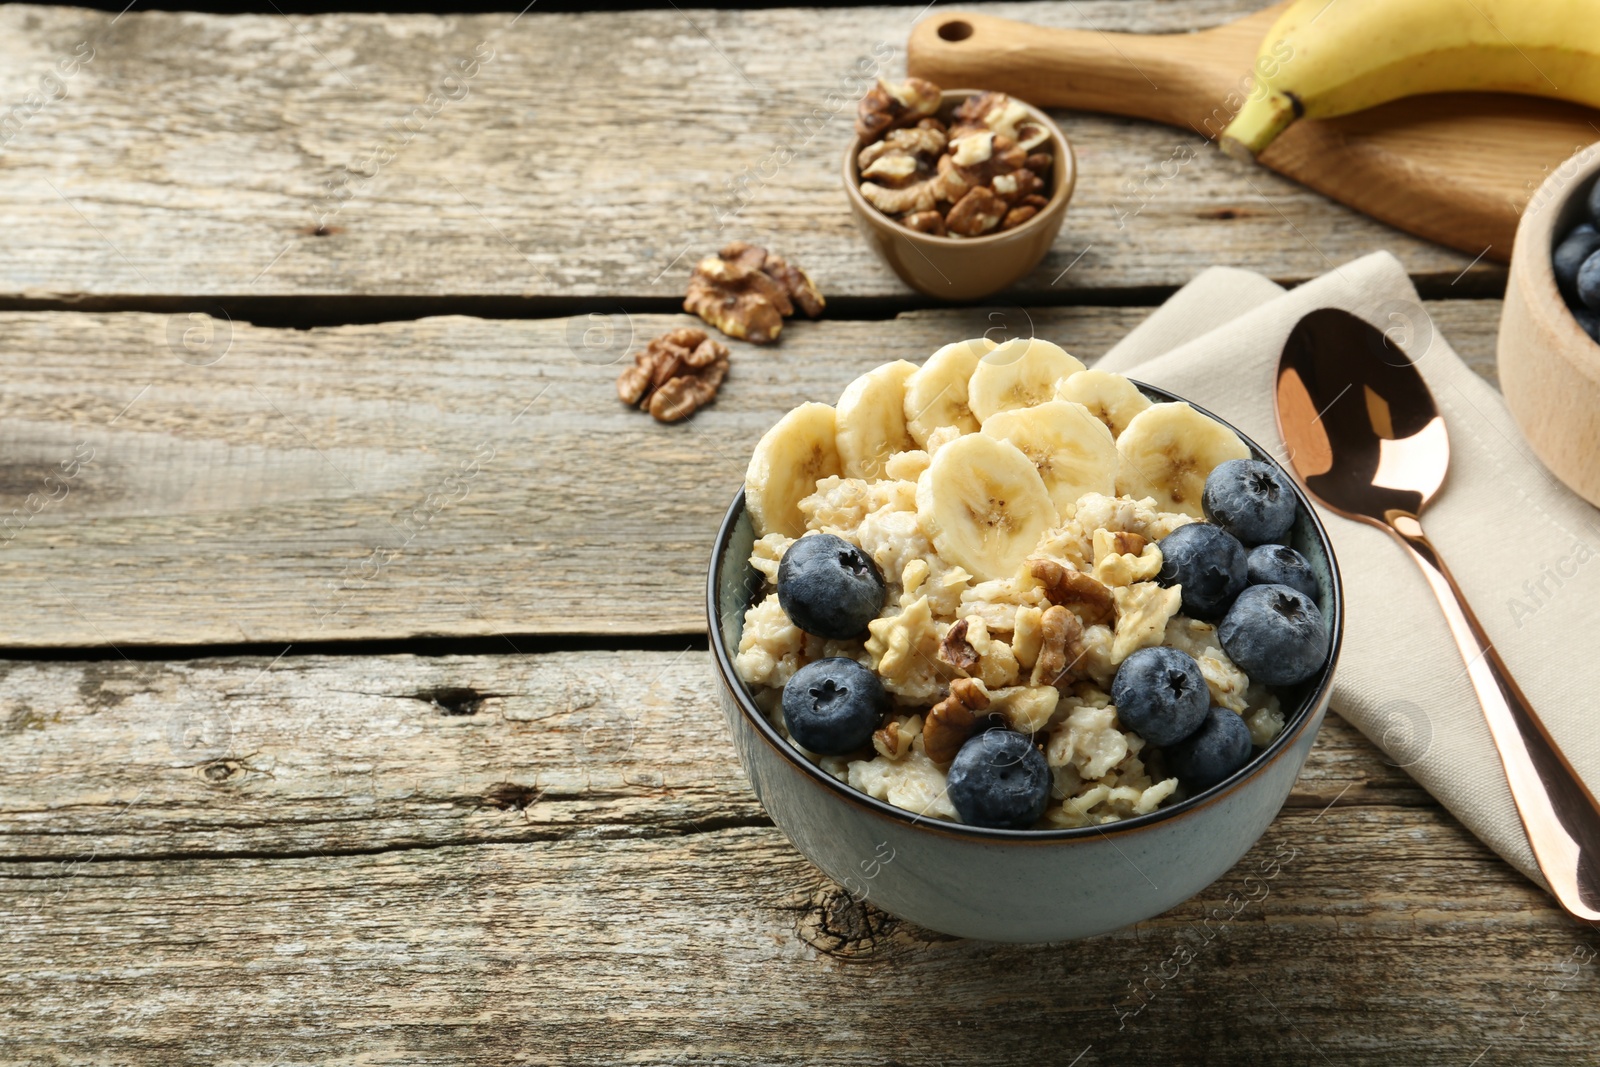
(1558, 812)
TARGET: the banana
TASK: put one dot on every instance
(1018, 374)
(1072, 450)
(1323, 59)
(872, 420)
(789, 459)
(936, 395)
(983, 505)
(1111, 398)
(1168, 450)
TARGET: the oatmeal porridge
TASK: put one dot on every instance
(980, 544)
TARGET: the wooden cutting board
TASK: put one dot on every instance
(1457, 168)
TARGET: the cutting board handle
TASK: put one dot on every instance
(1170, 78)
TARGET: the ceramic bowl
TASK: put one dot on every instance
(1550, 368)
(1012, 885)
(966, 268)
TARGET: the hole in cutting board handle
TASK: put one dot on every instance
(955, 30)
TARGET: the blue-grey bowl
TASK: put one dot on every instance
(1014, 885)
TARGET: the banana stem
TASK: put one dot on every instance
(1258, 124)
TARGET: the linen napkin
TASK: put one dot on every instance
(1525, 549)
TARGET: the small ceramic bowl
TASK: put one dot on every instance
(966, 268)
(1550, 368)
(1013, 885)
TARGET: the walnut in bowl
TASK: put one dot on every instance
(985, 171)
(960, 199)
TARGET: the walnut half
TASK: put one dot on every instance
(956, 650)
(1060, 648)
(674, 374)
(890, 105)
(746, 292)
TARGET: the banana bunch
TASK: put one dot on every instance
(1018, 431)
(1323, 59)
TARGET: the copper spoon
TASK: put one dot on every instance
(1367, 440)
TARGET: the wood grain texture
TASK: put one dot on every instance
(450, 476)
(1456, 168)
(1388, 937)
(308, 755)
(595, 155)
(350, 896)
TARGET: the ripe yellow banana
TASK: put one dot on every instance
(1331, 57)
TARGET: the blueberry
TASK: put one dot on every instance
(999, 780)
(1569, 255)
(1589, 321)
(831, 706)
(1251, 499)
(1280, 565)
(1208, 562)
(1212, 753)
(829, 587)
(1160, 693)
(1594, 203)
(1589, 282)
(1275, 634)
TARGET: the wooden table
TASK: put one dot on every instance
(356, 697)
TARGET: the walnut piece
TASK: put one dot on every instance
(1012, 187)
(803, 292)
(924, 222)
(920, 143)
(912, 199)
(971, 111)
(1090, 600)
(956, 650)
(889, 105)
(978, 212)
(674, 374)
(893, 742)
(954, 719)
(1060, 648)
(680, 397)
(1017, 216)
(746, 292)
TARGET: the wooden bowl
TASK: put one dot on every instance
(1550, 368)
(966, 268)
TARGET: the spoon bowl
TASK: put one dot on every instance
(1363, 431)
(1367, 439)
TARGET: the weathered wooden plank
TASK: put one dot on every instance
(1386, 936)
(308, 755)
(450, 476)
(594, 155)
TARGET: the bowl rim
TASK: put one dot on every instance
(1060, 196)
(1295, 724)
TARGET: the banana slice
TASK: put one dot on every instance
(790, 458)
(872, 420)
(1072, 450)
(1018, 374)
(1168, 450)
(936, 395)
(984, 505)
(1111, 398)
